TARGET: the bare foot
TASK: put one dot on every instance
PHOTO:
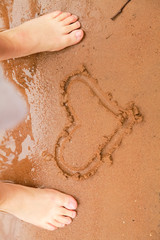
(50, 32)
(45, 208)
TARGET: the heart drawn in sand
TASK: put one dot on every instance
(95, 129)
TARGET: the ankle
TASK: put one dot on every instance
(11, 44)
(8, 196)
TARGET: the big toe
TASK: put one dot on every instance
(74, 37)
(71, 203)
(68, 202)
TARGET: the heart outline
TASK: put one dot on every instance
(127, 118)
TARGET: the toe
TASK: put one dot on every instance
(57, 224)
(70, 39)
(65, 200)
(68, 213)
(70, 203)
(54, 14)
(50, 227)
(72, 27)
(64, 220)
(70, 20)
(63, 16)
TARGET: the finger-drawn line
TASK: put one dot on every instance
(126, 117)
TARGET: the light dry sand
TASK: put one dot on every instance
(109, 160)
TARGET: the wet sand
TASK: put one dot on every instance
(92, 129)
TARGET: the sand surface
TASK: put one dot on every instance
(93, 128)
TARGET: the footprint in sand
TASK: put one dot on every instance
(95, 129)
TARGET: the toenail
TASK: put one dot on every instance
(69, 221)
(72, 205)
(73, 214)
(78, 34)
(78, 24)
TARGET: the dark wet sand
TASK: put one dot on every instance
(118, 188)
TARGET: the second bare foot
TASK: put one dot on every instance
(50, 32)
(45, 208)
